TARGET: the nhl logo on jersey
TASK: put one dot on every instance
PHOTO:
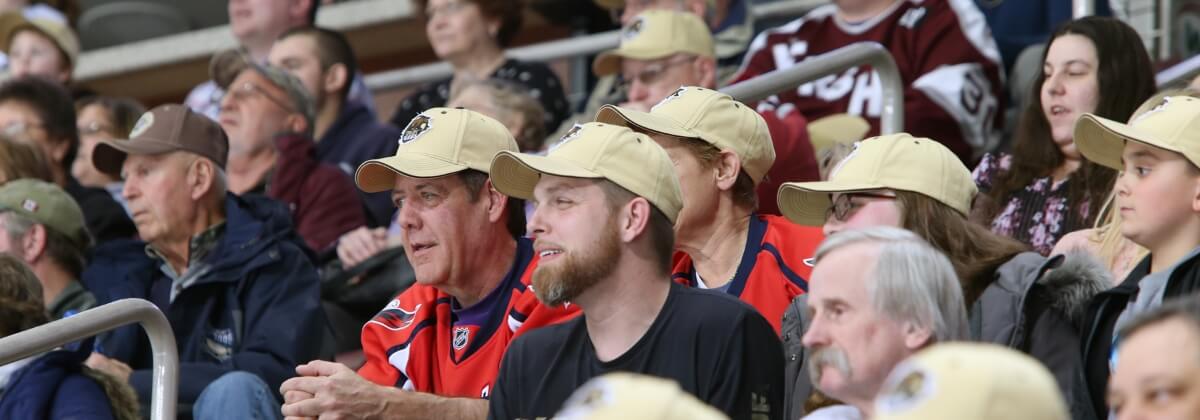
(461, 335)
(415, 128)
(633, 28)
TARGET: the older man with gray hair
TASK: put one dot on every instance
(877, 296)
(228, 272)
(268, 115)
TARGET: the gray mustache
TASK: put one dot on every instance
(827, 356)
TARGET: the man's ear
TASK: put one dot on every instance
(916, 337)
(296, 123)
(727, 167)
(705, 69)
(496, 202)
(200, 178)
(1195, 193)
(336, 78)
(634, 219)
(33, 244)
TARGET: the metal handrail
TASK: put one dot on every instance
(1181, 72)
(104, 318)
(892, 118)
(554, 50)
(1083, 8)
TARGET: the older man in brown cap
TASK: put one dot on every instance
(228, 271)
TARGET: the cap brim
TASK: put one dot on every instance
(610, 114)
(805, 203)
(609, 62)
(516, 174)
(109, 155)
(1102, 140)
(377, 175)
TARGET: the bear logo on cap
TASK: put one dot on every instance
(571, 134)
(415, 128)
(673, 96)
(143, 123)
(634, 28)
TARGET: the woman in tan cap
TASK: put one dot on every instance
(1013, 297)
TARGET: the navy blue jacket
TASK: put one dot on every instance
(52, 387)
(257, 309)
(353, 139)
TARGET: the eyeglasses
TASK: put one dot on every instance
(94, 127)
(248, 89)
(19, 128)
(844, 206)
(653, 71)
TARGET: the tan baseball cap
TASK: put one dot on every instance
(656, 34)
(166, 128)
(970, 381)
(837, 128)
(895, 162)
(1171, 124)
(596, 151)
(438, 142)
(47, 204)
(63, 37)
(630, 396)
(708, 115)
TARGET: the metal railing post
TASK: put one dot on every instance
(891, 119)
(101, 319)
(1083, 8)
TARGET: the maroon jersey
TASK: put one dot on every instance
(949, 63)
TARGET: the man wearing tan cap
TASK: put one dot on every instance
(434, 351)
(43, 226)
(721, 151)
(606, 199)
(662, 51)
(730, 24)
(228, 272)
(269, 116)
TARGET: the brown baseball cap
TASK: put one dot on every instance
(166, 128)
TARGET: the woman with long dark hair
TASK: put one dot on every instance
(1043, 188)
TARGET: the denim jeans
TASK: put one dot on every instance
(237, 395)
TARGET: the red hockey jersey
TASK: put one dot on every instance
(944, 50)
(421, 342)
(774, 269)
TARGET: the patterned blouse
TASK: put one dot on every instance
(542, 83)
(1037, 214)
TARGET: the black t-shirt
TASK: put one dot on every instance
(716, 347)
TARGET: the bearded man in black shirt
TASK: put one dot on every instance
(606, 200)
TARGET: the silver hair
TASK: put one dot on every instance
(911, 281)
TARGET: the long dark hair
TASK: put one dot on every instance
(973, 250)
(1125, 77)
